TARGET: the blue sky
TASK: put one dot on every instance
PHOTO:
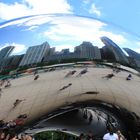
(117, 19)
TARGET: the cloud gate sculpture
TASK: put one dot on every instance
(71, 97)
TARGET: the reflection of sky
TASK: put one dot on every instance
(62, 31)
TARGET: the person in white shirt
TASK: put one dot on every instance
(111, 135)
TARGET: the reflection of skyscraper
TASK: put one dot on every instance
(5, 52)
(87, 50)
(35, 54)
(107, 54)
(134, 57)
(51, 51)
(115, 50)
(65, 51)
(132, 53)
(12, 61)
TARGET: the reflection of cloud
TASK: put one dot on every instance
(94, 10)
(138, 47)
(137, 50)
(38, 20)
(15, 10)
(68, 29)
(138, 43)
(80, 30)
(33, 7)
(31, 28)
(16, 22)
(86, 1)
(19, 48)
(117, 38)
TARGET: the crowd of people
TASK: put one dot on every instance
(111, 75)
(72, 72)
(18, 121)
(108, 76)
(9, 135)
(110, 135)
(4, 83)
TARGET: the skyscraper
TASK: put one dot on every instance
(134, 57)
(87, 50)
(132, 53)
(35, 54)
(115, 49)
(4, 53)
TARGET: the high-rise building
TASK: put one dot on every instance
(16, 60)
(4, 53)
(132, 53)
(107, 54)
(65, 51)
(87, 50)
(115, 49)
(12, 61)
(134, 57)
(50, 52)
(62, 56)
(7, 62)
(35, 54)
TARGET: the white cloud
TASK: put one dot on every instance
(13, 11)
(136, 50)
(94, 10)
(16, 22)
(31, 28)
(19, 48)
(38, 20)
(117, 38)
(138, 43)
(67, 29)
(30, 21)
(78, 29)
(33, 7)
(86, 1)
(135, 45)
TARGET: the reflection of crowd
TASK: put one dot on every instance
(111, 125)
(17, 102)
(70, 73)
(82, 72)
(4, 83)
(64, 87)
(129, 77)
(89, 136)
(110, 135)
(9, 135)
(13, 123)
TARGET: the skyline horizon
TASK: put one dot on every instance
(71, 50)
